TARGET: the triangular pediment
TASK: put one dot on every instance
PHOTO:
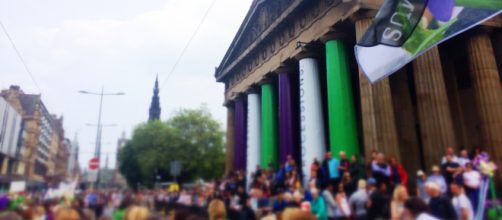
(260, 17)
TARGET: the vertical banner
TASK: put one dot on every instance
(253, 135)
(405, 29)
(341, 112)
(240, 135)
(269, 151)
(311, 116)
(287, 143)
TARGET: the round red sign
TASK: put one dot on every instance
(93, 163)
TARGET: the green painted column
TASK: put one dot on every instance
(342, 115)
(269, 135)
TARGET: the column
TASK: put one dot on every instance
(498, 49)
(287, 143)
(434, 115)
(230, 145)
(253, 134)
(269, 142)
(379, 125)
(487, 92)
(341, 112)
(240, 135)
(5, 165)
(311, 114)
(406, 122)
(457, 115)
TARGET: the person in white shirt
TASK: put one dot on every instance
(472, 182)
(464, 158)
(449, 151)
(359, 200)
(461, 203)
(331, 205)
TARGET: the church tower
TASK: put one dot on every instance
(155, 105)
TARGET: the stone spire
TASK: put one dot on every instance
(155, 105)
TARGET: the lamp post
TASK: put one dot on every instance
(97, 151)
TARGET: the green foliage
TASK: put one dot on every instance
(191, 136)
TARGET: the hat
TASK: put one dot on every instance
(372, 181)
(435, 168)
(420, 173)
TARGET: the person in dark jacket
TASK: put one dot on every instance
(440, 206)
(378, 204)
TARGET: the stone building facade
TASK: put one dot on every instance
(42, 146)
(291, 64)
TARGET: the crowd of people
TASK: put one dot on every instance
(337, 188)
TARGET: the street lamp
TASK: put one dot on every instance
(97, 151)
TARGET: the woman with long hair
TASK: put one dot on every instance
(399, 197)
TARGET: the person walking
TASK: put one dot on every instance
(420, 182)
(331, 205)
(358, 201)
(461, 204)
(438, 179)
(378, 203)
(318, 206)
(416, 208)
(440, 206)
(472, 183)
(399, 197)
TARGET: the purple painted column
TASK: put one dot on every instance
(240, 135)
(287, 143)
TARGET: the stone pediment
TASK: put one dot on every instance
(262, 18)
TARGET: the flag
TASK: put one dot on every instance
(405, 29)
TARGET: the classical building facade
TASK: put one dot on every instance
(293, 87)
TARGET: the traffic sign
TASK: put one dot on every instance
(94, 164)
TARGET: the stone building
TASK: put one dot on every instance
(41, 137)
(292, 87)
(59, 153)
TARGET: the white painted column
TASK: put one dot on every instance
(311, 116)
(253, 135)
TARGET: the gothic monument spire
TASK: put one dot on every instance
(155, 105)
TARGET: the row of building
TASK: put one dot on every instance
(33, 145)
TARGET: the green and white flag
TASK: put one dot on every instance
(404, 29)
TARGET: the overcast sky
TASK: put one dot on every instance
(72, 45)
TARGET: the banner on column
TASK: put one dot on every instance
(311, 116)
(253, 136)
(405, 29)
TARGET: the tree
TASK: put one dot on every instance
(191, 136)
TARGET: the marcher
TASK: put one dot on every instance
(415, 208)
(420, 182)
(461, 204)
(381, 170)
(318, 206)
(439, 205)
(378, 203)
(359, 200)
(449, 152)
(438, 179)
(399, 196)
(331, 205)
